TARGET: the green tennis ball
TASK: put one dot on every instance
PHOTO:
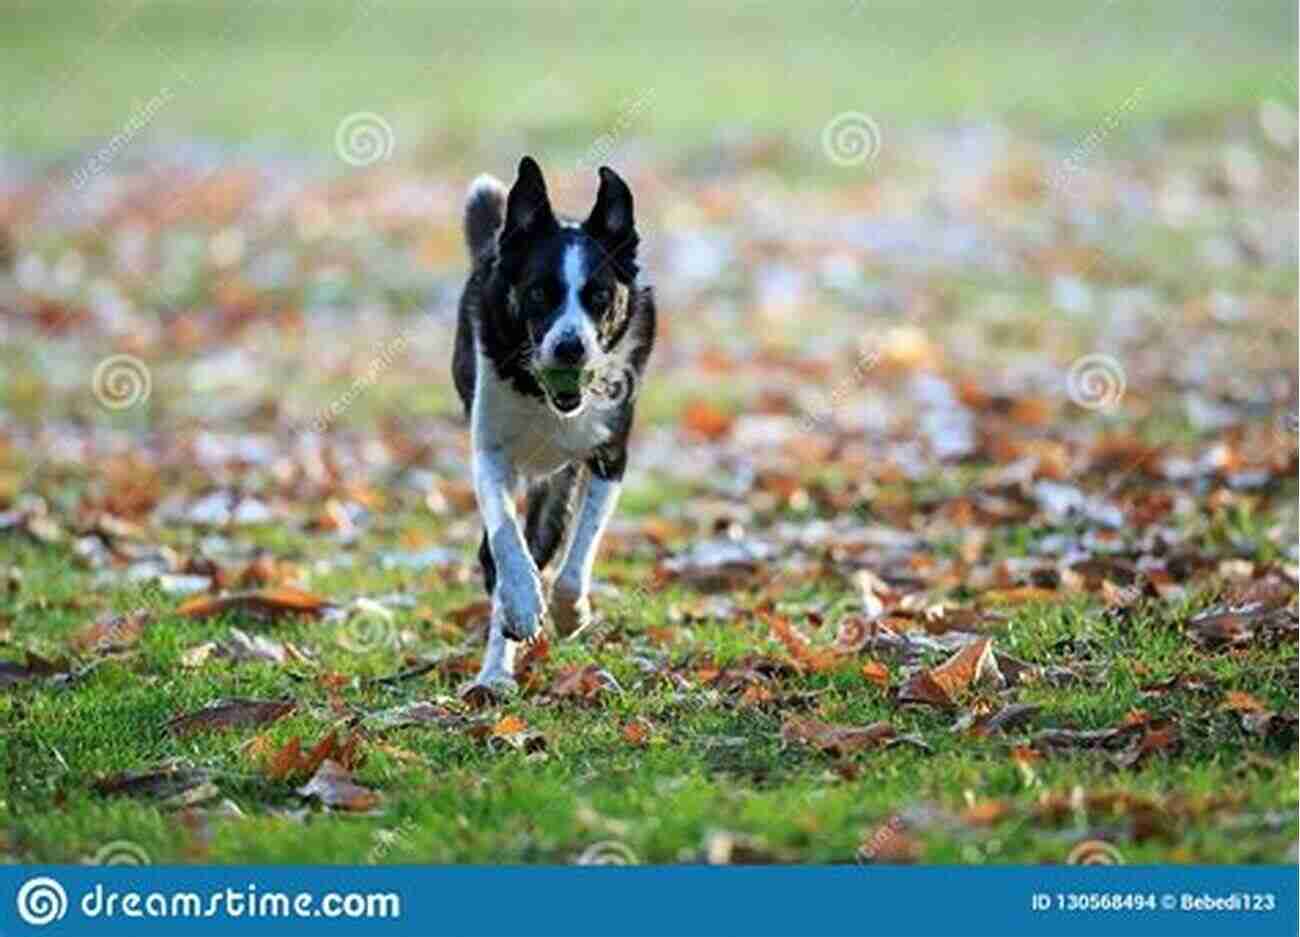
(563, 381)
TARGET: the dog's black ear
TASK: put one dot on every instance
(611, 222)
(528, 207)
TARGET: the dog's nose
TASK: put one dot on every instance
(569, 350)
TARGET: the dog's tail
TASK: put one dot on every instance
(485, 211)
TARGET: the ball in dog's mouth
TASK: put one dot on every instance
(563, 387)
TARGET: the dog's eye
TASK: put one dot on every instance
(601, 297)
(536, 295)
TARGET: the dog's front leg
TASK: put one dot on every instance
(517, 601)
(571, 594)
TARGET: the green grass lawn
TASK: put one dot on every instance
(462, 72)
(255, 303)
(708, 764)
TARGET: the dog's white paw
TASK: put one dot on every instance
(487, 689)
(521, 606)
(570, 610)
(517, 601)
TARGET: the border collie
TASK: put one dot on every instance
(551, 342)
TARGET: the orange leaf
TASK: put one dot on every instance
(706, 419)
(637, 732)
(509, 725)
(973, 664)
(270, 603)
(877, 673)
(1241, 702)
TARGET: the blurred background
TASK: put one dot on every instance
(974, 296)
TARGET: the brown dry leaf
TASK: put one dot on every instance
(509, 725)
(637, 731)
(112, 631)
(1227, 627)
(986, 812)
(466, 615)
(973, 665)
(833, 739)
(1021, 595)
(271, 604)
(852, 635)
(806, 657)
(876, 673)
(587, 683)
(511, 731)
(921, 687)
(1156, 740)
(333, 786)
(528, 667)
(35, 667)
(1241, 702)
(706, 419)
(163, 783)
(291, 761)
(229, 714)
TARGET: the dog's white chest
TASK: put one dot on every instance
(534, 439)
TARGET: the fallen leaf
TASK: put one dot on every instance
(921, 687)
(706, 419)
(833, 739)
(1238, 701)
(162, 783)
(271, 604)
(973, 665)
(333, 786)
(35, 667)
(583, 683)
(876, 673)
(806, 657)
(637, 731)
(230, 714)
(112, 631)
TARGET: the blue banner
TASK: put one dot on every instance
(604, 900)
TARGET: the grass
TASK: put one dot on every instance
(563, 74)
(707, 767)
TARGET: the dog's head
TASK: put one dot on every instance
(568, 283)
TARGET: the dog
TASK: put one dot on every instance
(552, 339)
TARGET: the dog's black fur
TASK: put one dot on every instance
(518, 245)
